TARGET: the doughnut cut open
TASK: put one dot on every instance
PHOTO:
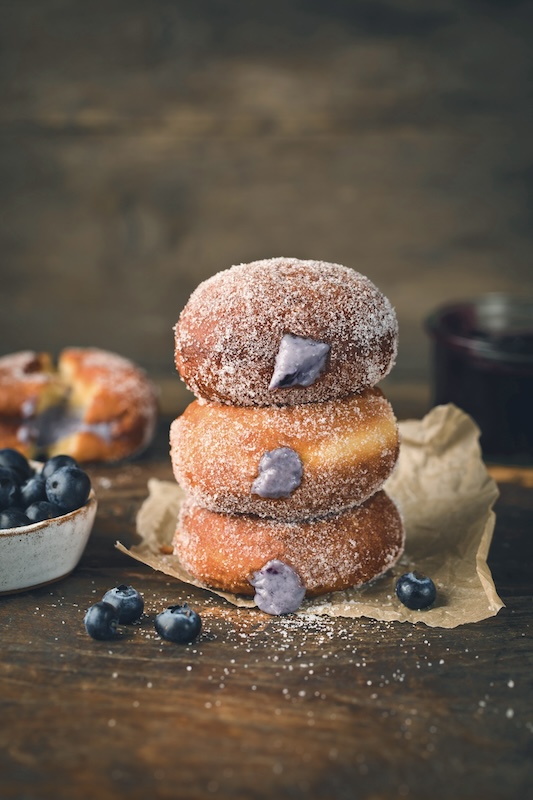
(94, 405)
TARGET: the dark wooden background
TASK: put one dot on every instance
(146, 145)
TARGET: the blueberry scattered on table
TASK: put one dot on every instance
(101, 621)
(127, 601)
(124, 604)
(61, 486)
(415, 591)
(179, 624)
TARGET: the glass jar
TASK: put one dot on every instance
(483, 362)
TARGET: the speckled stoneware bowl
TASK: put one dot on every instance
(46, 551)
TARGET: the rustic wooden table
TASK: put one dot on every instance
(263, 707)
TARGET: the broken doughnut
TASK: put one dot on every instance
(95, 406)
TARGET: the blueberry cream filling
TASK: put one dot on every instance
(59, 422)
(299, 362)
(278, 588)
(280, 473)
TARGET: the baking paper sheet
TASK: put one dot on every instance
(445, 496)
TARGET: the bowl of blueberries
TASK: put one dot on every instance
(47, 512)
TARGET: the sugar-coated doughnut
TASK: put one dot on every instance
(95, 406)
(115, 401)
(226, 551)
(288, 463)
(285, 331)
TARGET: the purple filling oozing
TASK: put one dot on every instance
(299, 362)
(278, 588)
(56, 423)
(280, 472)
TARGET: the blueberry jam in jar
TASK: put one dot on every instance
(483, 362)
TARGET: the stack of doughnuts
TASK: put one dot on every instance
(284, 451)
(94, 405)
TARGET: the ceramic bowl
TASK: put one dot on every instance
(44, 552)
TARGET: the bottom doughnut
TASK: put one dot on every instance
(224, 551)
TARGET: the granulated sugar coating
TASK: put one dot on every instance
(229, 333)
(329, 554)
(347, 448)
(283, 356)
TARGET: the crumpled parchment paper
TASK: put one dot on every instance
(445, 496)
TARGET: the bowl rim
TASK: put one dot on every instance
(34, 527)
(44, 523)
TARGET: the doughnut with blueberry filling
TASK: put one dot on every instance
(95, 406)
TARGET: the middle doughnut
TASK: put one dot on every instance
(289, 462)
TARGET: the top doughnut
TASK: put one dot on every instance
(284, 331)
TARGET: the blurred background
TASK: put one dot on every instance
(147, 145)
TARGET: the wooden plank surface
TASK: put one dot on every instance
(261, 707)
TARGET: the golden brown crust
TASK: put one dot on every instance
(103, 407)
(329, 554)
(229, 333)
(111, 391)
(347, 448)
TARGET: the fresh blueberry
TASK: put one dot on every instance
(68, 487)
(13, 518)
(56, 462)
(37, 512)
(178, 624)
(33, 490)
(127, 601)
(12, 459)
(415, 591)
(101, 621)
(9, 488)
